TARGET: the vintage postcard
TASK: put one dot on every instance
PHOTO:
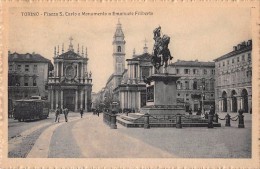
(147, 84)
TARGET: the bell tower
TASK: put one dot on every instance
(119, 50)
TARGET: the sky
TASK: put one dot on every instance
(196, 33)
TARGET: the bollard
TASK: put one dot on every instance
(178, 121)
(108, 118)
(146, 121)
(215, 118)
(113, 121)
(210, 121)
(227, 117)
(241, 119)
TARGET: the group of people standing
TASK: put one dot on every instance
(64, 111)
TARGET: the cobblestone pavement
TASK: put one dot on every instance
(89, 137)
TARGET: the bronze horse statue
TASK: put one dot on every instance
(161, 52)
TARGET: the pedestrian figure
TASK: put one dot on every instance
(199, 112)
(98, 113)
(190, 111)
(81, 112)
(66, 112)
(57, 114)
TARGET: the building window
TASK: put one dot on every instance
(227, 62)
(233, 60)
(26, 68)
(35, 68)
(26, 81)
(186, 85)
(195, 85)
(237, 59)
(219, 65)
(19, 67)
(34, 82)
(243, 57)
(179, 94)
(177, 71)
(205, 71)
(213, 71)
(179, 85)
(187, 95)
(186, 71)
(195, 71)
(224, 63)
(118, 48)
(249, 57)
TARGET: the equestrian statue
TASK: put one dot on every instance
(161, 52)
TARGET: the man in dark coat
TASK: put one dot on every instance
(66, 112)
(57, 114)
(81, 112)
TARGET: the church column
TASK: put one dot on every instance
(78, 70)
(52, 99)
(138, 73)
(82, 69)
(122, 98)
(62, 69)
(61, 99)
(76, 100)
(138, 100)
(56, 69)
(86, 100)
(57, 98)
(131, 71)
(81, 99)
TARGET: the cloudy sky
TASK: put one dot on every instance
(196, 33)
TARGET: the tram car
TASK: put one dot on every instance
(31, 109)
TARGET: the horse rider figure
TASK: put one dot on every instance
(160, 50)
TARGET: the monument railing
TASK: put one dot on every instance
(110, 119)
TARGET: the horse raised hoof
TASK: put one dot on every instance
(171, 58)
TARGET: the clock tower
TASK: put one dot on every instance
(119, 50)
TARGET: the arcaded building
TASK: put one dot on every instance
(234, 79)
(70, 84)
(195, 88)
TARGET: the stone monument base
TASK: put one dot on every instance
(163, 109)
(161, 95)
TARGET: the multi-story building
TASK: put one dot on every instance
(195, 88)
(70, 84)
(234, 79)
(27, 75)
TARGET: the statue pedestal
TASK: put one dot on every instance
(161, 95)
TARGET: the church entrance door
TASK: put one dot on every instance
(69, 99)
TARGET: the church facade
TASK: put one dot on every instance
(70, 84)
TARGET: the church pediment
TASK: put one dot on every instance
(70, 55)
